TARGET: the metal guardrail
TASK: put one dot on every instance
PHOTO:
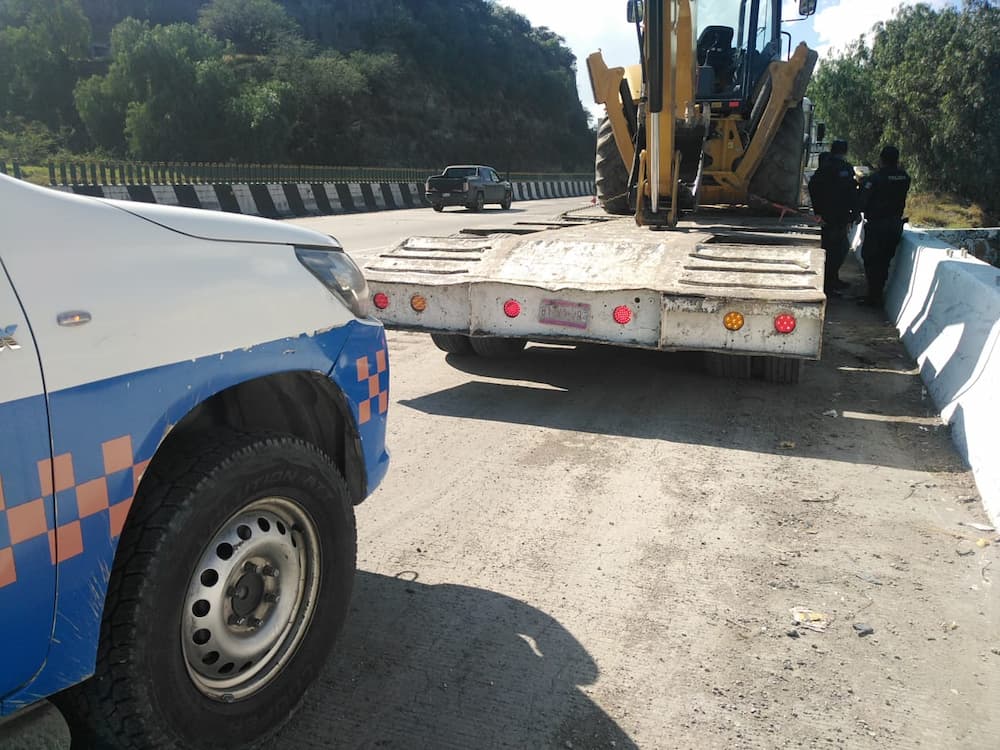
(188, 173)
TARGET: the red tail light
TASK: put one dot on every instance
(622, 314)
(381, 300)
(784, 323)
(512, 308)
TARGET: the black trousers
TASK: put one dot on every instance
(833, 238)
(881, 240)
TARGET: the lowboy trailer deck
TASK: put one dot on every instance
(747, 290)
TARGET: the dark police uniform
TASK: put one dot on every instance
(834, 194)
(883, 199)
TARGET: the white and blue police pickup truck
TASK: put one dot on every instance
(191, 403)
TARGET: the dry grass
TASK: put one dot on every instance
(35, 174)
(946, 210)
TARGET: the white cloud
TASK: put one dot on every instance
(589, 25)
(586, 26)
(838, 25)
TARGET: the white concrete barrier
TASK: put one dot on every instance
(945, 304)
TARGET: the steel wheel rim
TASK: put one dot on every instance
(250, 599)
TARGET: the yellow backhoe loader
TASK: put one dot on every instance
(710, 120)
(711, 115)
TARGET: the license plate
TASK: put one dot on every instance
(445, 195)
(559, 312)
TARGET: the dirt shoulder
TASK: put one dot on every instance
(601, 548)
(598, 548)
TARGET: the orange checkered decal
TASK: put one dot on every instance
(77, 500)
(378, 385)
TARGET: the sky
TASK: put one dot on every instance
(589, 25)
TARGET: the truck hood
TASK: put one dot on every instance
(223, 227)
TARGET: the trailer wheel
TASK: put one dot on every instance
(779, 176)
(453, 343)
(611, 176)
(733, 366)
(781, 370)
(497, 347)
(231, 580)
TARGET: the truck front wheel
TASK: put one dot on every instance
(232, 578)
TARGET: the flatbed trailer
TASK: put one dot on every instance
(725, 282)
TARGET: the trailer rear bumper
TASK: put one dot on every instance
(654, 319)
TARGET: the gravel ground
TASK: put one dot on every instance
(600, 548)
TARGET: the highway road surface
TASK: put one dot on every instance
(600, 548)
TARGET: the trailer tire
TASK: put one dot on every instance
(496, 347)
(732, 366)
(779, 176)
(611, 176)
(780, 370)
(235, 535)
(452, 343)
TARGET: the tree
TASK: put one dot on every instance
(929, 83)
(41, 42)
(255, 27)
(165, 96)
(844, 92)
(400, 82)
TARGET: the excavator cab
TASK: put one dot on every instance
(717, 62)
(735, 44)
(710, 115)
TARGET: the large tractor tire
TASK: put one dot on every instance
(610, 172)
(779, 176)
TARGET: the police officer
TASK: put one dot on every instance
(834, 194)
(883, 199)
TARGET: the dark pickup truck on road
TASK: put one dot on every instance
(469, 185)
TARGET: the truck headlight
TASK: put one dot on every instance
(338, 273)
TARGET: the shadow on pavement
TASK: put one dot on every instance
(448, 666)
(865, 377)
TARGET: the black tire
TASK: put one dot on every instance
(145, 691)
(496, 347)
(439, 209)
(779, 176)
(611, 175)
(453, 343)
(508, 198)
(478, 203)
(733, 366)
(781, 370)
